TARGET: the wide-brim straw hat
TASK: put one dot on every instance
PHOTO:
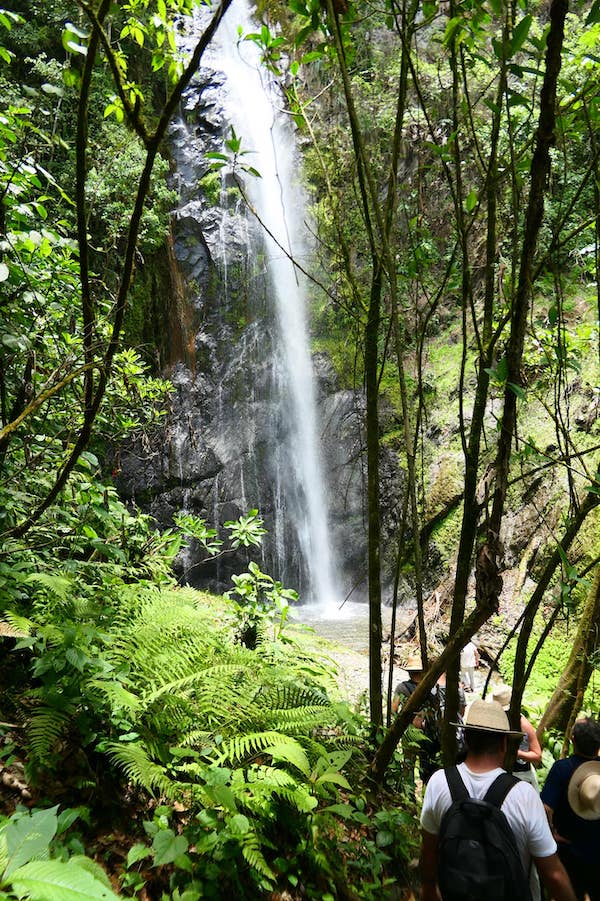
(414, 664)
(487, 716)
(502, 694)
(584, 790)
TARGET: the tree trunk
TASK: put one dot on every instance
(567, 700)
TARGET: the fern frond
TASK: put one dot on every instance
(19, 625)
(267, 779)
(133, 759)
(117, 695)
(241, 747)
(254, 857)
(300, 721)
(44, 731)
(299, 797)
(211, 674)
(195, 738)
(292, 695)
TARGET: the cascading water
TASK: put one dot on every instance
(252, 105)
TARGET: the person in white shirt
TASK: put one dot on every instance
(486, 732)
(469, 661)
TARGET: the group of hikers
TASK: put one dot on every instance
(488, 834)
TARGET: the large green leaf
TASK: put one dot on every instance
(58, 880)
(167, 846)
(28, 838)
(291, 752)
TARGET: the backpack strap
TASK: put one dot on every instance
(495, 795)
(499, 789)
(405, 688)
(458, 789)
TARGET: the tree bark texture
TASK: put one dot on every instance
(567, 699)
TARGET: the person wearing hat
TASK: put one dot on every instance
(529, 752)
(486, 732)
(425, 719)
(571, 797)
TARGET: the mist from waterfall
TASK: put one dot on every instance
(253, 106)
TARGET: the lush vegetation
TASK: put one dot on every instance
(197, 747)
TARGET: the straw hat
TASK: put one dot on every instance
(414, 664)
(487, 716)
(502, 694)
(584, 790)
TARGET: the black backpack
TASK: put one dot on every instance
(478, 858)
(432, 710)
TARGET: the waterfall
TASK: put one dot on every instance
(252, 103)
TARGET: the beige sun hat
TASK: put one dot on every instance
(413, 664)
(502, 694)
(584, 790)
(487, 716)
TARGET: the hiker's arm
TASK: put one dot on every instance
(534, 754)
(557, 836)
(554, 878)
(549, 816)
(429, 867)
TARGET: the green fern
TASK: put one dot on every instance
(133, 759)
(291, 695)
(242, 747)
(45, 729)
(253, 856)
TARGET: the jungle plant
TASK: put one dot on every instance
(246, 531)
(32, 863)
(62, 335)
(260, 601)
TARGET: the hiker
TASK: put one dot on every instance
(426, 720)
(469, 661)
(462, 698)
(529, 753)
(458, 861)
(571, 797)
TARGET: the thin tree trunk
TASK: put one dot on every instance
(540, 171)
(567, 699)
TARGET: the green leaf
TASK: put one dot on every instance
(384, 838)
(291, 752)
(167, 846)
(239, 824)
(58, 880)
(137, 852)
(28, 837)
(519, 35)
(342, 810)
(452, 27)
(471, 201)
(502, 370)
(515, 98)
(335, 778)
(517, 390)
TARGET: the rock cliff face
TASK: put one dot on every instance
(223, 447)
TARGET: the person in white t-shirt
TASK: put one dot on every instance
(469, 661)
(486, 732)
